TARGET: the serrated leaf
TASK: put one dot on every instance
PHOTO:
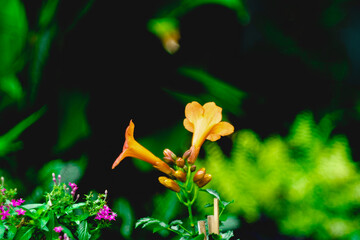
(142, 221)
(176, 222)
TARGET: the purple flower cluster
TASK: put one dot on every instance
(106, 213)
(5, 210)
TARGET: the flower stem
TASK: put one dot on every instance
(190, 215)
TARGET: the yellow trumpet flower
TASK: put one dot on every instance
(134, 149)
(205, 123)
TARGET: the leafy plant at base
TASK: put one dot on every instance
(59, 216)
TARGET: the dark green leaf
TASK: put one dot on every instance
(200, 237)
(67, 231)
(125, 213)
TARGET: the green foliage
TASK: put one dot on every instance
(126, 215)
(13, 31)
(177, 226)
(7, 141)
(224, 94)
(73, 122)
(60, 210)
(306, 182)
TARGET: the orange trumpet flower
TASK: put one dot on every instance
(205, 123)
(134, 149)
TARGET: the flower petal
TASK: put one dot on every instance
(212, 113)
(188, 125)
(220, 129)
(194, 111)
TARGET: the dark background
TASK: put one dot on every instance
(110, 55)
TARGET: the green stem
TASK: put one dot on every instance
(190, 215)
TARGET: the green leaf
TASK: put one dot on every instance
(24, 233)
(200, 237)
(149, 221)
(47, 12)
(176, 222)
(83, 231)
(7, 143)
(212, 192)
(50, 225)
(124, 211)
(33, 206)
(43, 223)
(2, 229)
(71, 208)
(67, 231)
(227, 235)
(11, 232)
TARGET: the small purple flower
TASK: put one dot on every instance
(3, 191)
(16, 203)
(21, 211)
(58, 229)
(106, 214)
(5, 214)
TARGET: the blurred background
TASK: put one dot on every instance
(286, 73)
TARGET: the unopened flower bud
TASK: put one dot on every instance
(169, 183)
(180, 175)
(53, 178)
(199, 175)
(163, 167)
(205, 180)
(193, 168)
(168, 160)
(186, 154)
(169, 154)
(180, 162)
